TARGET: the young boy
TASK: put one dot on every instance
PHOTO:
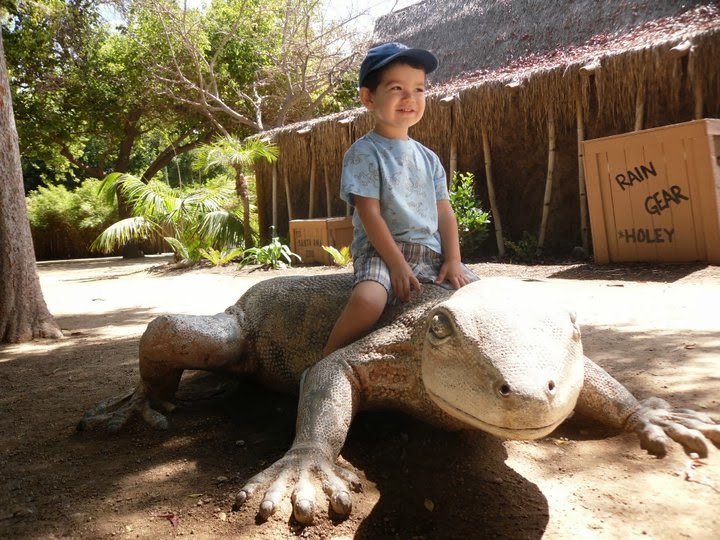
(405, 231)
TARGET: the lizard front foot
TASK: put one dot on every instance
(300, 466)
(656, 423)
(114, 413)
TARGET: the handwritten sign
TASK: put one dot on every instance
(654, 204)
(653, 194)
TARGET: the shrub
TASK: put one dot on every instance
(526, 249)
(275, 255)
(64, 223)
(188, 219)
(341, 256)
(473, 222)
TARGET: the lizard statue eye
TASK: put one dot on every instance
(440, 326)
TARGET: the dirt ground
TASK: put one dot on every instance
(656, 328)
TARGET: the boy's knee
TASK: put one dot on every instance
(370, 296)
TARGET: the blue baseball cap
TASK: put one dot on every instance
(382, 55)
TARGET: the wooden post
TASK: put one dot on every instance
(698, 98)
(640, 107)
(552, 152)
(274, 196)
(453, 157)
(686, 48)
(452, 166)
(590, 68)
(288, 200)
(307, 130)
(491, 193)
(328, 200)
(581, 173)
(313, 172)
(513, 87)
(681, 49)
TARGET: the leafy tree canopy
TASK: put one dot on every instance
(93, 97)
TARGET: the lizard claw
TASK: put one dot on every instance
(656, 423)
(115, 412)
(299, 467)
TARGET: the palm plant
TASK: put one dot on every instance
(235, 154)
(189, 222)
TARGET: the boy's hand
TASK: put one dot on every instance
(453, 272)
(404, 281)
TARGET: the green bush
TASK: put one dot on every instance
(526, 249)
(189, 220)
(64, 223)
(473, 222)
(275, 255)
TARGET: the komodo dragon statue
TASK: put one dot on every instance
(495, 355)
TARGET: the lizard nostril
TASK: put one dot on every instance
(504, 389)
(551, 387)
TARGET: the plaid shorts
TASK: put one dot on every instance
(424, 262)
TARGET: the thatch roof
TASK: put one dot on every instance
(469, 36)
(513, 103)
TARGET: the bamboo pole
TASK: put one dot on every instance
(681, 49)
(453, 158)
(639, 107)
(552, 152)
(447, 102)
(513, 87)
(328, 201)
(274, 195)
(313, 172)
(581, 173)
(698, 99)
(491, 193)
(286, 180)
(590, 68)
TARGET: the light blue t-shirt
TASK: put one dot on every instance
(408, 180)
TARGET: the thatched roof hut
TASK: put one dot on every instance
(526, 103)
(469, 36)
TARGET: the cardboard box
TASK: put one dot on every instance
(654, 195)
(308, 236)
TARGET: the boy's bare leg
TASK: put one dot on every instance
(366, 304)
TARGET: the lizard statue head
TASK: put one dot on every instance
(501, 356)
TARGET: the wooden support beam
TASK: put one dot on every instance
(313, 174)
(640, 108)
(491, 193)
(698, 99)
(288, 198)
(590, 68)
(552, 154)
(681, 49)
(453, 157)
(328, 199)
(582, 190)
(274, 195)
(513, 86)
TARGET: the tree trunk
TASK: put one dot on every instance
(132, 249)
(23, 312)
(241, 188)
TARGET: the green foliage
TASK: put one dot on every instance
(235, 155)
(275, 255)
(526, 249)
(340, 257)
(472, 221)
(218, 257)
(91, 97)
(64, 222)
(189, 220)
